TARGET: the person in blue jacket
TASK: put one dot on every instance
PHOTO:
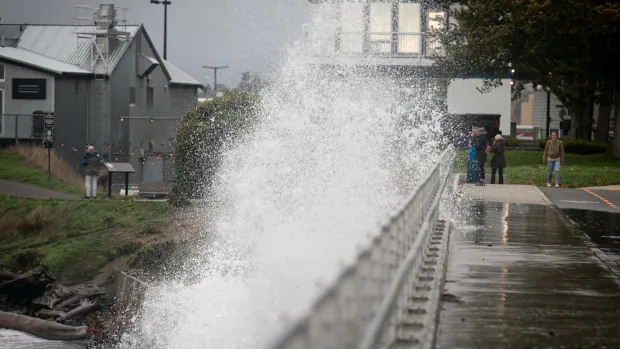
(473, 170)
(481, 145)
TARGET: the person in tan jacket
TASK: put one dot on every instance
(554, 156)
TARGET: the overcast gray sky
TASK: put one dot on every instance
(243, 34)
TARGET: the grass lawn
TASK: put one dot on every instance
(527, 167)
(74, 238)
(14, 167)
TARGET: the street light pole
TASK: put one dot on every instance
(165, 3)
(548, 111)
(215, 76)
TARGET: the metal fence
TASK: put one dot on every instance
(370, 304)
(22, 126)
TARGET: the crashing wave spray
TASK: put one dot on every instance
(332, 155)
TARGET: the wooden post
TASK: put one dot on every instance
(49, 163)
(126, 183)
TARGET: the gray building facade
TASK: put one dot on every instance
(106, 84)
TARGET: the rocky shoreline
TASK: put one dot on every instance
(34, 303)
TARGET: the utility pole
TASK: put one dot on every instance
(215, 76)
(165, 3)
(549, 112)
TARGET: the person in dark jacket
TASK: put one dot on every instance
(498, 162)
(91, 165)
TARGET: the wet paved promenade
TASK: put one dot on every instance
(519, 278)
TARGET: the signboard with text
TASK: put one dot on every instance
(48, 120)
(48, 125)
(29, 88)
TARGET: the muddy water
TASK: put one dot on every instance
(17, 340)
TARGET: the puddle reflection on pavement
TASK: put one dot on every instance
(602, 227)
(525, 280)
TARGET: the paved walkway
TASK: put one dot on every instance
(584, 199)
(509, 193)
(30, 191)
(519, 278)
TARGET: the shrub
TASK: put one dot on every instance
(25, 260)
(33, 223)
(511, 141)
(129, 247)
(150, 229)
(178, 198)
(203, 133)
(579, 146)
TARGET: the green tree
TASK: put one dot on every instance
(202, 135)
(251, 82)
(569, 46)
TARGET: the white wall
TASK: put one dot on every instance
(23, 106)
(464, 98)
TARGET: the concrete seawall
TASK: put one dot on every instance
(128, 293)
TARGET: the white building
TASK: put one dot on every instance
(394, 34)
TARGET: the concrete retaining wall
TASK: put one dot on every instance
(128, 293)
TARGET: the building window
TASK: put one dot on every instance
(381, 27)
(149, 96)
(1, 72)
(352, 20)
(132, 95)
(436, 21)
(76, 89)
(409, 37)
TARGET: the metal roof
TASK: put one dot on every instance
(179, 77)
(57, 48)
(10, 34)
(60, 42)
(39, 61)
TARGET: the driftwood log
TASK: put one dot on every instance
(77, 298)
(41, 328)
(47, 314)
(84, 308)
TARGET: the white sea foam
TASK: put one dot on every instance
(332, 156)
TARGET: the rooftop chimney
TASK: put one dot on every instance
(105, 18)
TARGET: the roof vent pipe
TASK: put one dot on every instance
(105, 17)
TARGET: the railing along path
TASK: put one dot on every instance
(388, 297)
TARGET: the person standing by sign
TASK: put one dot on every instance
(91, 163)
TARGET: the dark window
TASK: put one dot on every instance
(1, 72)
(132, 95)
(149, 96)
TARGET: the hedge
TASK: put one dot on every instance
(201, 137)
(511, 141)
(579, 146)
